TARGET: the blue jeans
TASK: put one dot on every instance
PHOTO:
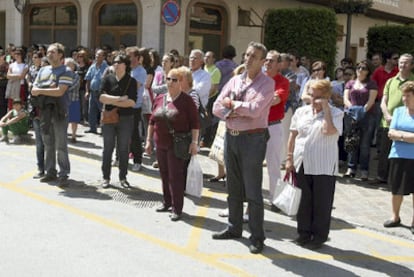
(244, 155)
(40, 147)
(119, 133)
(361, 156)
(95, 107)
(56, 140)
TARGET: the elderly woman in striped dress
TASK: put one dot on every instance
(313, 155)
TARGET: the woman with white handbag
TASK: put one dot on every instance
(313, 154)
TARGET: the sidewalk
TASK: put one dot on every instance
(356, 203)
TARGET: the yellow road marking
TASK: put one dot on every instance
(382, 238)
(187, 251)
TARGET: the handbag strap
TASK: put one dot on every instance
(291, 176)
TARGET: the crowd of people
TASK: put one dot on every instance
(287, 110)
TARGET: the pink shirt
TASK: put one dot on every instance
(251, 102)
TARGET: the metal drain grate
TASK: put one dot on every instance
(138, 198)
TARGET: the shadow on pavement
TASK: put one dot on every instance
(79, 189)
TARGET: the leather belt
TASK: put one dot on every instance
(235, 133)
(274, 122)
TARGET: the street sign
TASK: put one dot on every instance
(170, 12)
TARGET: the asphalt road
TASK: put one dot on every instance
(84, 230)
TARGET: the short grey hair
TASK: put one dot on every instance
(259, 46)
(197, 51)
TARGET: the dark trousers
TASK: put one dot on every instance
(172, 171)
(314, 214)
(384, 150)
(244, 155)
(136, 143)
(119, 133)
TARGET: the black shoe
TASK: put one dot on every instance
(412, 229)
(63, 181)
(39, 175)
(175, 217)
(302, 240)
(391, 223)
(274, 208)
(48, 178)
(217, 178)
(163, 208)
(226, 234)
(256, 247)
(91, 131)
(314, 245)
(376, 181)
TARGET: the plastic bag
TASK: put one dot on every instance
(194, 178)
(217, 148)
(289, 199)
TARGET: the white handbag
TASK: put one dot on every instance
(289, 199)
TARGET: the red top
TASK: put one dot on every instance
(182, 114)
(277, 112)
(380, 76)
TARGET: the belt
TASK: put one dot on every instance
(274, 122)
(245, 132)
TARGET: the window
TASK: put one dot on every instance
(53, 23)
(207, 28)
(115, 23)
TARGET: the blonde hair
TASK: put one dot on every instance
(407, 87)
(324, 86)
(184, 71)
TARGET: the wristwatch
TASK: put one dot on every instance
(402, 138)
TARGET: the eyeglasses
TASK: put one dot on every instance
(317, 69)
(171, 79)
(362, 68)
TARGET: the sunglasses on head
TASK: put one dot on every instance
(317, 69)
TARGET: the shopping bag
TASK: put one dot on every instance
(194, 177)
(289, 199)
(217, 148)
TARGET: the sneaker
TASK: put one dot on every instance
(125, 184)
(350, 173)
(136, 167)
(4, 139)
(155, 164)
(105, 184)
(17, 140)
(115, 163)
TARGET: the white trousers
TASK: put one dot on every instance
(273, 156)
(286, 131)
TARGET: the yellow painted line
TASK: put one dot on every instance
(392, 258)
(197, 228)
(383, 238)
(201, 257)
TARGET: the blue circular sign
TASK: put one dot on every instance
(170, 13)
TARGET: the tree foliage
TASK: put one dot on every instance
(311, 32)
(396, 38)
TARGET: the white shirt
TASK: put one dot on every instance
(202, 85)
(316, 151)
(17, 68)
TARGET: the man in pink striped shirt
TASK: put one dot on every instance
(244, 104)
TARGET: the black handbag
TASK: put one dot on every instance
(181, 141)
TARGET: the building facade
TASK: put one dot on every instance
(173, 24)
